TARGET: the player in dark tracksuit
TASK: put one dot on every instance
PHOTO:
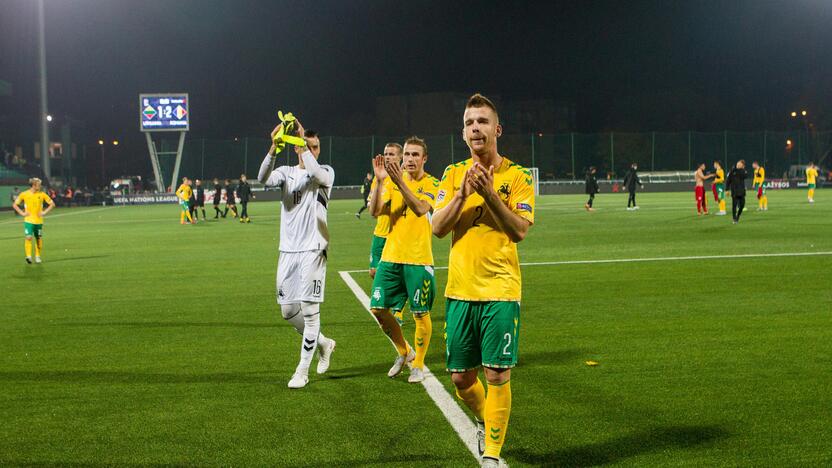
(200, 199)
(217, 199)
(244, 194)
(192, 206)
(736, 184)
(230, 201)
(365, 190)
(630, 182)
(591, 188)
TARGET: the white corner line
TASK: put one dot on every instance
(460, 422)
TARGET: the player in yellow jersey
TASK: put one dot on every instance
(759, 183)
(811, 180)
(405, 271)
(33, 213)
(184, 193)
(718, 187)
(392, 153)
(487, 201)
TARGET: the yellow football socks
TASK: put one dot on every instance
(474, 399)
(423, 331)
(391, 328)
(27, 246)
(811, 194)
(497, 412)
(38, 246)
(764, 202)
(722, 206)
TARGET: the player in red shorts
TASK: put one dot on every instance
(701, 203)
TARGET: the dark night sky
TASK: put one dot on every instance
(639, 65)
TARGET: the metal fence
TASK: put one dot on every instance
(558, 156)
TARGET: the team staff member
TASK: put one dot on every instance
(199, 197)
(244, 194)
(230, 200)
(217, 199)
(736, 185)
(33, 213)
(591, 188)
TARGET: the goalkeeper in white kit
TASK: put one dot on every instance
(304, 237)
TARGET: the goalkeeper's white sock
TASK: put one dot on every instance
(311, 331)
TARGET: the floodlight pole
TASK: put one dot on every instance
(154, 161)
(44, 123)
(178, 159)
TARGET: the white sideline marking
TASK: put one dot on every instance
(48, 216)
(464, 427)
(655, 259)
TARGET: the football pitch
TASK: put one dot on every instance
(141, 341)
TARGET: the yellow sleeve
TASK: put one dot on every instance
(372, 189)
(445, 190)
(521, 201)
(762, 173)
(429, 188)
(387, 191)
(19, 199)
(47, 199)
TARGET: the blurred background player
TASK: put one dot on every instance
(699, 190)
(392, 153)
(736, 184)
(199, 197)
(718, 187)
(244, 194)
(304, 239)
(230, 200)
(33, 213)
(488, 203)
(591, 188)
(192, 204)
(631, 180)
(405, 271)
(217, 199)
(365, 191)
(811, 178)
(758, 183)
(184, 193)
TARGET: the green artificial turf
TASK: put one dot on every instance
(141, 341)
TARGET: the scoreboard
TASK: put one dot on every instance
(164, 112)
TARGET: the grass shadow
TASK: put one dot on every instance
(124, 377)
(175, 324)
(616, 450)
(70, 259)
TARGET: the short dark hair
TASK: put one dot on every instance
(393, 144)
(310, 134)
(414, 140)
(478, 100)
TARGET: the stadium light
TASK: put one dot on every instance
(794, 114)
(101, 142)
(803, 113)
(48, 118)
(115, 142)
(789, 144)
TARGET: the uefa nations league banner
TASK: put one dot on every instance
(145, 199)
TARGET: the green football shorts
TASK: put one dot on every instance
(481, 334)
(376, 249)
(811, 186)
(395, 283)
(32, 230)
(184, 205)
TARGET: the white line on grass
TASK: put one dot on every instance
(13, 221)
(460, 422)
(656, 259)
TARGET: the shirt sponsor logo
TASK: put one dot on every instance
(524, 207)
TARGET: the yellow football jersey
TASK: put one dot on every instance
(33, 204)
(383, 219)
(483, 263)
(720, 177)
(184, 192)
(811, 175)
(409, 240)
(759, 176)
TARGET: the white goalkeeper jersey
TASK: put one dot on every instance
(305, 196)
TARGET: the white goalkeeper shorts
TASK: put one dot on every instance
(301, 277)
